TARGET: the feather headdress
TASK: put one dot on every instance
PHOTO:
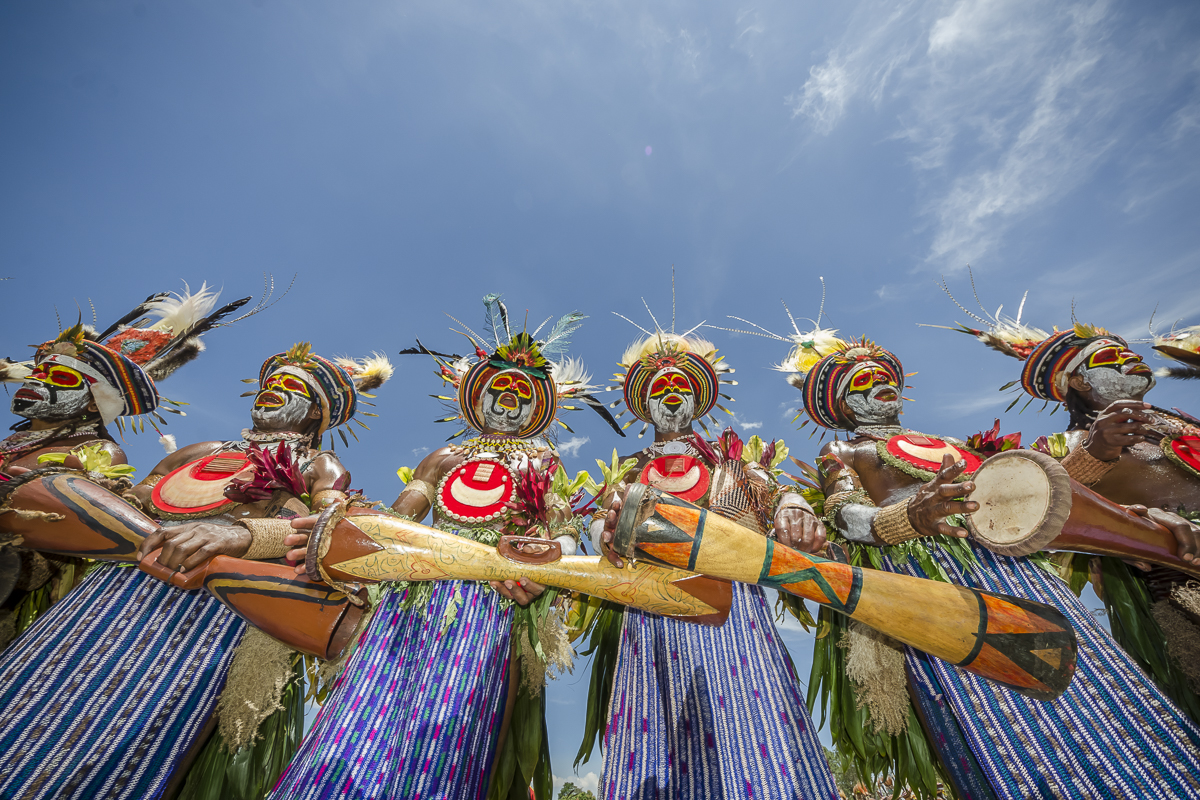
(1183, 345)
(692, 355)
(339, 384)
(558, 381)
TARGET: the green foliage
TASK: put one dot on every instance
(604, 640)
(1128, 603)
(611, 476)
(405, 474)
(861, 751)
(570, 791)
(93, 458)
(251, 772)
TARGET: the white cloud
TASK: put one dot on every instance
(1008, 105)
(418, 452)
(741, 424)
(571, 446)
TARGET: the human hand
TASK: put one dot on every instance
(1122, 424)
(187, 546)
(934, 501)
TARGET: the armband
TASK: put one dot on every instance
(418, 486)
(892, 525)
(326, 497)
(1084, 467)
(266, 538)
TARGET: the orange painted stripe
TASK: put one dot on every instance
(686, 519)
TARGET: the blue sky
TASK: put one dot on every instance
(403, 159)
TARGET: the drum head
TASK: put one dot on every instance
(1024, 499)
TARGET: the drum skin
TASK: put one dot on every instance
(81, 518)
(1029, 503)
(1024, 500)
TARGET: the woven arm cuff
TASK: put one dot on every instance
(418, 486)
(1084, 467)
(892, 525)
(266, 538)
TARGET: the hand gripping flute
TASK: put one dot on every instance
(63, 512)
(360, 545)
(1026, 646)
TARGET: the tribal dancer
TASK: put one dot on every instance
(1112, 734)
(700, 712)
(420, 710)
(68, 399)
(1130, 453)
(127, 669)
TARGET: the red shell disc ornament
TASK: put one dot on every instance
(477, 491)
(1185, 450)
(925, 452)
(684, 476)
(199, 486)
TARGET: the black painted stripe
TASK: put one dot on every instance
(696, 539)
(983, 623)
(855, 591)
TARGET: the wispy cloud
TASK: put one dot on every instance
(571, 446)
(1008, 105)
(419, 452)
(743, 424)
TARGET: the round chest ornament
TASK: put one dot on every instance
(198, 488)
(476, 491)
(925, 453)
(1184, 451)
(684, 476)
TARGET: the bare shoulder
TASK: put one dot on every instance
(185, 455)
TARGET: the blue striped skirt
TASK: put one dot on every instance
(417, 711)
(701, 713)
(1111, 735)
(103, 695)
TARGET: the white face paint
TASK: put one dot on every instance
(283, 404)
(506, 405)
(873, 398)
(671, 401)
(54, 393)
(1110, 385)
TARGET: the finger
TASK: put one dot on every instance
(612, 557)
(200, 556)
(297, 555)
(1125, 429)
(956, 507)
(151, 543)
(500, 589)
(296, 539)
(946, 529)
(956, 489)
(1138, 509)
(171, 556)
(950, 470)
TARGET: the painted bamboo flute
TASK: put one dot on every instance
(1026, 646)
(362, 546)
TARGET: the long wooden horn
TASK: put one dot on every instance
(1026, 646)
(361, 546)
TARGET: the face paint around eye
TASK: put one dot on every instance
(52, 392)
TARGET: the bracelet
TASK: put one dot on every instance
(422, 488)
(1084, 467)
(892, 524)
(266, 538)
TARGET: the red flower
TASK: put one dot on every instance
(272, 472)
(988, 443)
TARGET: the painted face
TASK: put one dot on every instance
(284, 403)
(507, 403)
(52, 392)
(872, 397)
(671, 401)
(1116, 373)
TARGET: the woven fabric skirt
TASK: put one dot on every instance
(700, 713)
(103, 695)
(1111, 735)
(417, 711)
